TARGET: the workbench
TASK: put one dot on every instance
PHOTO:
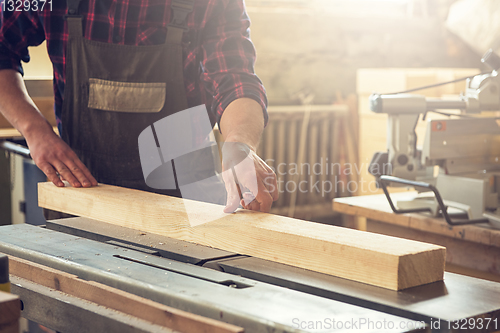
(473, 247)
(252, 293)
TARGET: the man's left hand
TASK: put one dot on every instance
(248, 179)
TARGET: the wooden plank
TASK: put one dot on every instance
(370, 258)
(12, 133)
(10, 312)
(10, 328)
(116, 299)
(370, 206)
(60, 312)
(459, 252)
(9, 133)
(377, 208)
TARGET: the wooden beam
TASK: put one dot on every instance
(9, 133)
(60, 312)
(116, 299)
(376, 207)
(379, 260)
(12, 133)
(10, 312)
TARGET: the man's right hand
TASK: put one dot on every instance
(56, 159)
(50, 153)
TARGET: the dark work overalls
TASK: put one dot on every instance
(113, 92)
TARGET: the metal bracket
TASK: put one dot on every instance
(15, 148)
(180, 11)
(385, 180)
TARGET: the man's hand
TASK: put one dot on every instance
(246, 175)
(50, 153)
(56, 159)
(241, 125)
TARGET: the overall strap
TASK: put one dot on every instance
(178, 20)
(174, 62)
(73, 48)
(74, 19)
(176, 27)
(73, 7)
(74, 27)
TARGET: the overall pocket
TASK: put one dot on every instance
(126, 96)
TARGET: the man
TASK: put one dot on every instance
(194, 52)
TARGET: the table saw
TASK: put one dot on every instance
(252, 293)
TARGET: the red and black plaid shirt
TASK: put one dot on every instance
(219, 56)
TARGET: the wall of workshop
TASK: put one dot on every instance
(39, 67)
(318, 45)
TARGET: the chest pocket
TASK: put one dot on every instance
(126, 96)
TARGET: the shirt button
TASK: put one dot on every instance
(116, 39)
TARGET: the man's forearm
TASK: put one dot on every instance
(16, 105)
(51, 154)
(243, 121)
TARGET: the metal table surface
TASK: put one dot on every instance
(166, 247)
(256, 306)
(443, 304)
(456, 298)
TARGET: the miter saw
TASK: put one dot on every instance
(459, 160)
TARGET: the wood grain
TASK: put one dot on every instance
(365, 257)
(377, 208)
(12, 133)
(10, 311)
(482, 261)
(119, 300)
(9, 133)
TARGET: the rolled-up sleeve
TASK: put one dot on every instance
(18, 30)
(229, 58)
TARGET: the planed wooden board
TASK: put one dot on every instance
(156, 313)
(379, 260)
(9, 133)
(12, 133)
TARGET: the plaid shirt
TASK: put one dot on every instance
(219, 56)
